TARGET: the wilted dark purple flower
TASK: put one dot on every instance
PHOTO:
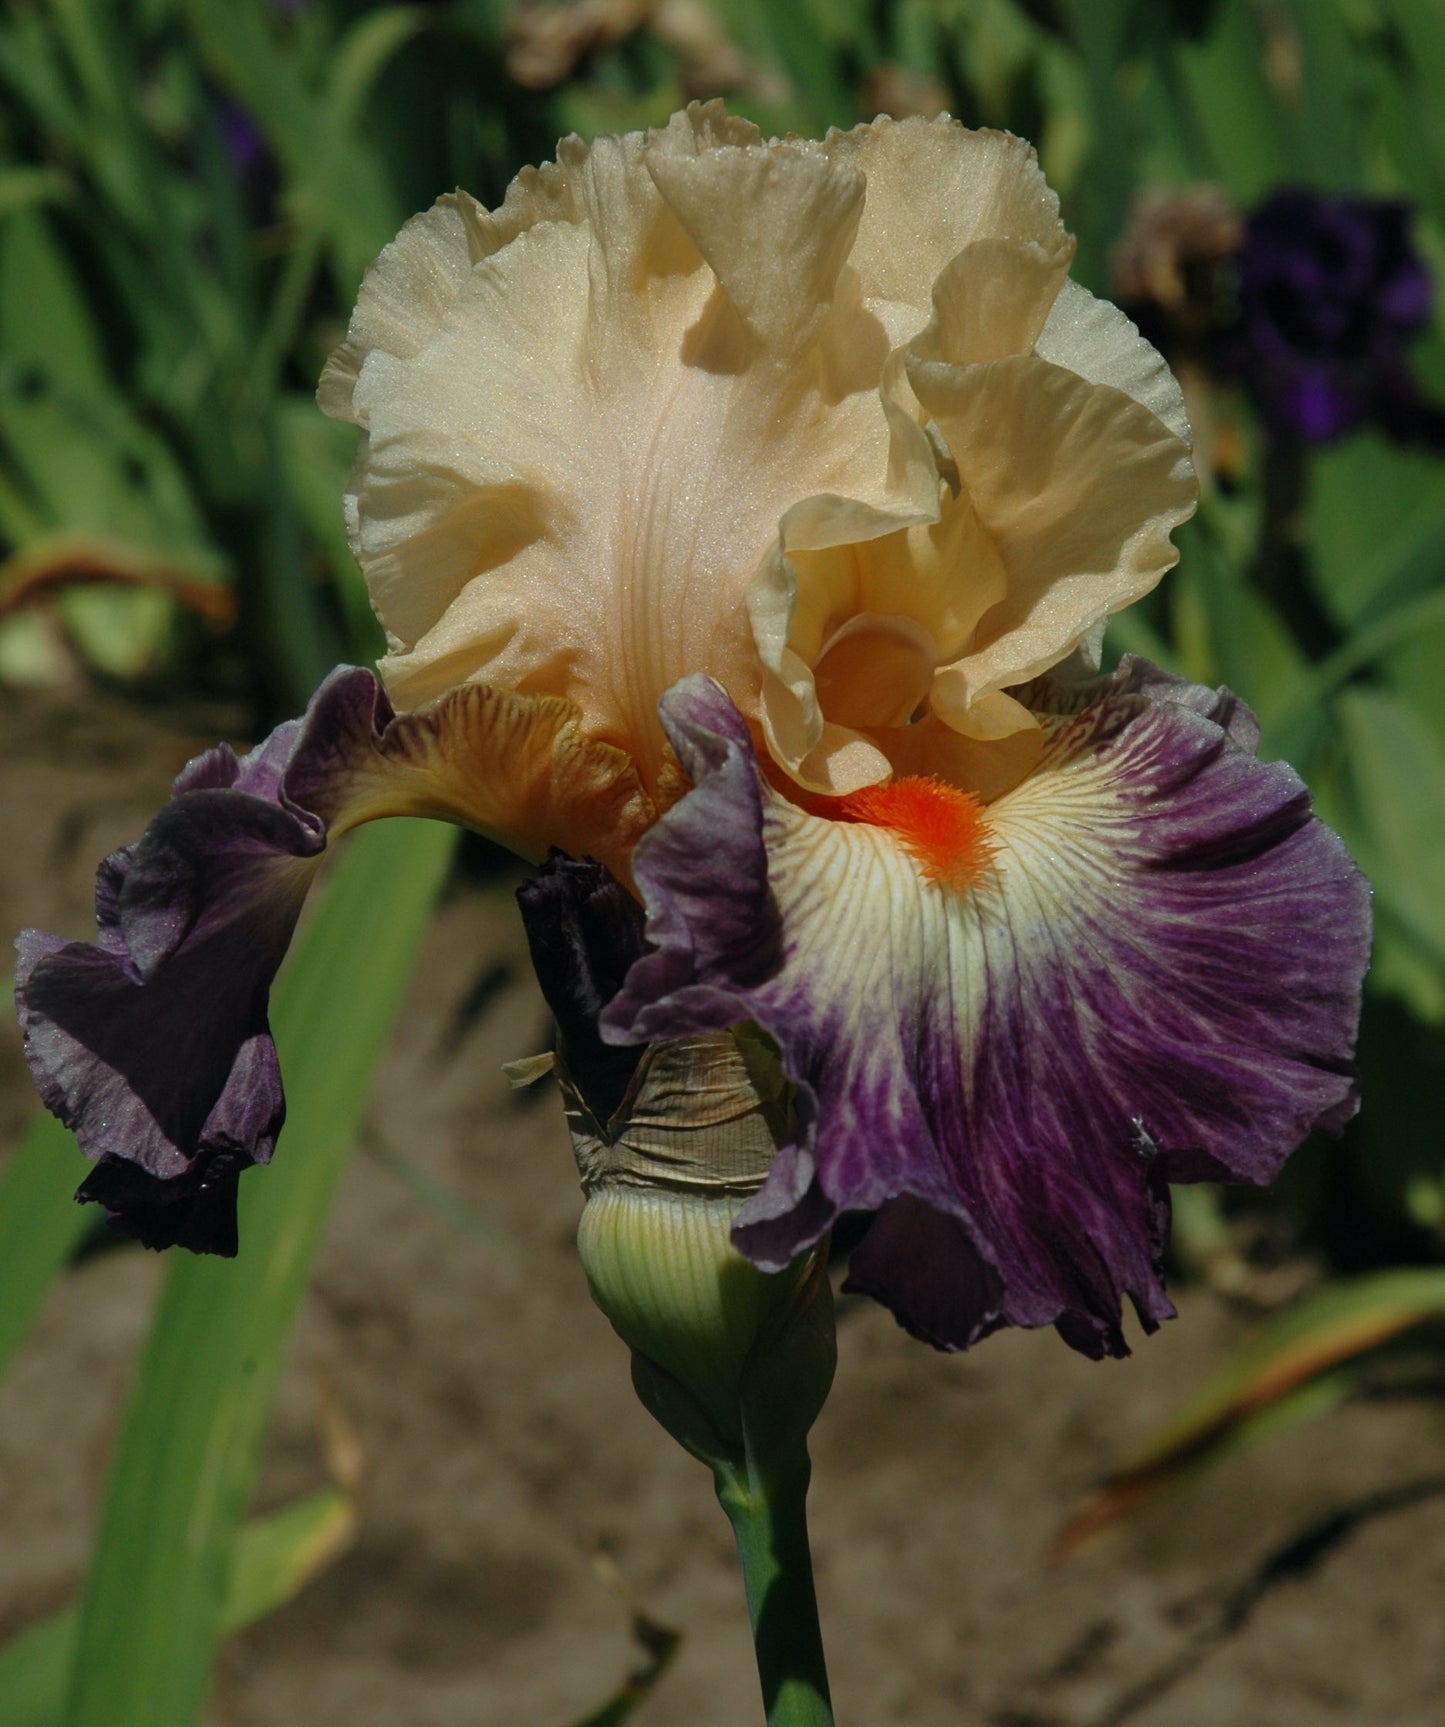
(1331, 294)
(585, 932)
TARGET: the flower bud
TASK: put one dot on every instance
(728, 1358)
(672, 1140)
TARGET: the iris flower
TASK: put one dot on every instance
(744, 517)
(1331, 294)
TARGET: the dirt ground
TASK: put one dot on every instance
(517, 1501)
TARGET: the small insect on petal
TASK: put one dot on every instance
(943, 829)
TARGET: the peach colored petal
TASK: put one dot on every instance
(568, 488)
(824, 420)
(988, 767)
(917, 595)
(408, 289)
(403, 298)
(1096, 340)
(994, 299)
(1068, 490)
(875, 670)
(1022, 564)
(517, 768)
(935, 187)
(1077, 484)
(842, 760)
(988, 717)
(785, 193)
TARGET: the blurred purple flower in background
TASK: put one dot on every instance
(1331, 294)
(241, 138)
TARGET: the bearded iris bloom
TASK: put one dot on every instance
(744, 517)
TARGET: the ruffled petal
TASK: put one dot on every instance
(403, 298)
(650, 375)
(852, 638)
(993, 300)
(935, 188)
(1062, 450)
(1140, 965)
(1089, 336)
(1078, 486)
(1068, 488)
(786, 195)
(152, 1042)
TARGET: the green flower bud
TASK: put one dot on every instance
(727, 1357)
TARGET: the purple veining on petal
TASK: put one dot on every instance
(715, 929)
(1139, 677)
(1186, 1014)
(152, 1042)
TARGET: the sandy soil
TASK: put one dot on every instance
(517, 1501)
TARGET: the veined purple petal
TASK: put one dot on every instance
(1158, 980)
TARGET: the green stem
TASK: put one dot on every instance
(769, 1518)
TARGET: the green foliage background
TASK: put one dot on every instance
(189, 193)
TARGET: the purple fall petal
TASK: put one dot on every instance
(152, 1042)
(923, 1265)
(714, 928)
(1159, 982)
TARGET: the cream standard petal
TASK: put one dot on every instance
(994, 299)
(743, 210)
(569, 487)
(415, 278)
(1062, 478)
(1077, 485)
(851, 638)
(935, 187)
(1096, 340)
(403, 298)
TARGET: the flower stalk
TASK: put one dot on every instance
(758, 1452)
(768, 1515)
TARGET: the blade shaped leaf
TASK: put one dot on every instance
(276, 1556)
(1292, 1370)
(40, 1226)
